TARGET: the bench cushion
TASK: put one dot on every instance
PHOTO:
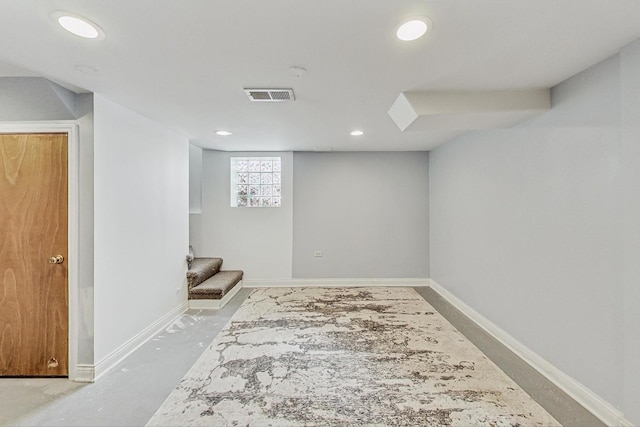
(216, 286)
(202, 269)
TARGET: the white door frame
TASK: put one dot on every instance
(71, 129)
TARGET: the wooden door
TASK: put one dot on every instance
(33, 228)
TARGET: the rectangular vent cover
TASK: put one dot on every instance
(270, 95)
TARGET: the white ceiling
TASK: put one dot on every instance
(185, 63)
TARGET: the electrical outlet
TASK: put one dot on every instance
(317, 253)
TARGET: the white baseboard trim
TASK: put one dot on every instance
(214, 304)
(599, 407)
(326, 283)
(134, 343)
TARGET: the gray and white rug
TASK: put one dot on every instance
(345, 356)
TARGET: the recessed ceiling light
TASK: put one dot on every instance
(223, 133)
(356, 133)
(413, 28)
(78, 25)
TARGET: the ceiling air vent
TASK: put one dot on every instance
(270, 95)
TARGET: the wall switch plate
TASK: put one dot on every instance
(317, 253)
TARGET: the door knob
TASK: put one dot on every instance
(58, 259)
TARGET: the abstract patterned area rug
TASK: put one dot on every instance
(345, 357)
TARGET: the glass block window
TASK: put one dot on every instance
(256, 182)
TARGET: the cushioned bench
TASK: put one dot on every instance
(217, 286)
(201, 269)
(210, 287)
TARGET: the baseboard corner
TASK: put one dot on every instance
(120, 353)
(83, 373)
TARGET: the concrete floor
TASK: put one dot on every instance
(130, 393)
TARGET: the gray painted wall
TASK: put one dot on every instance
(367, 213)
(628, 214)
(195, 179)
(255, 240)
(538, 228)
(141, 221)
(36, 98)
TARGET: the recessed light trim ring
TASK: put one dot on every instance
(78, 25)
